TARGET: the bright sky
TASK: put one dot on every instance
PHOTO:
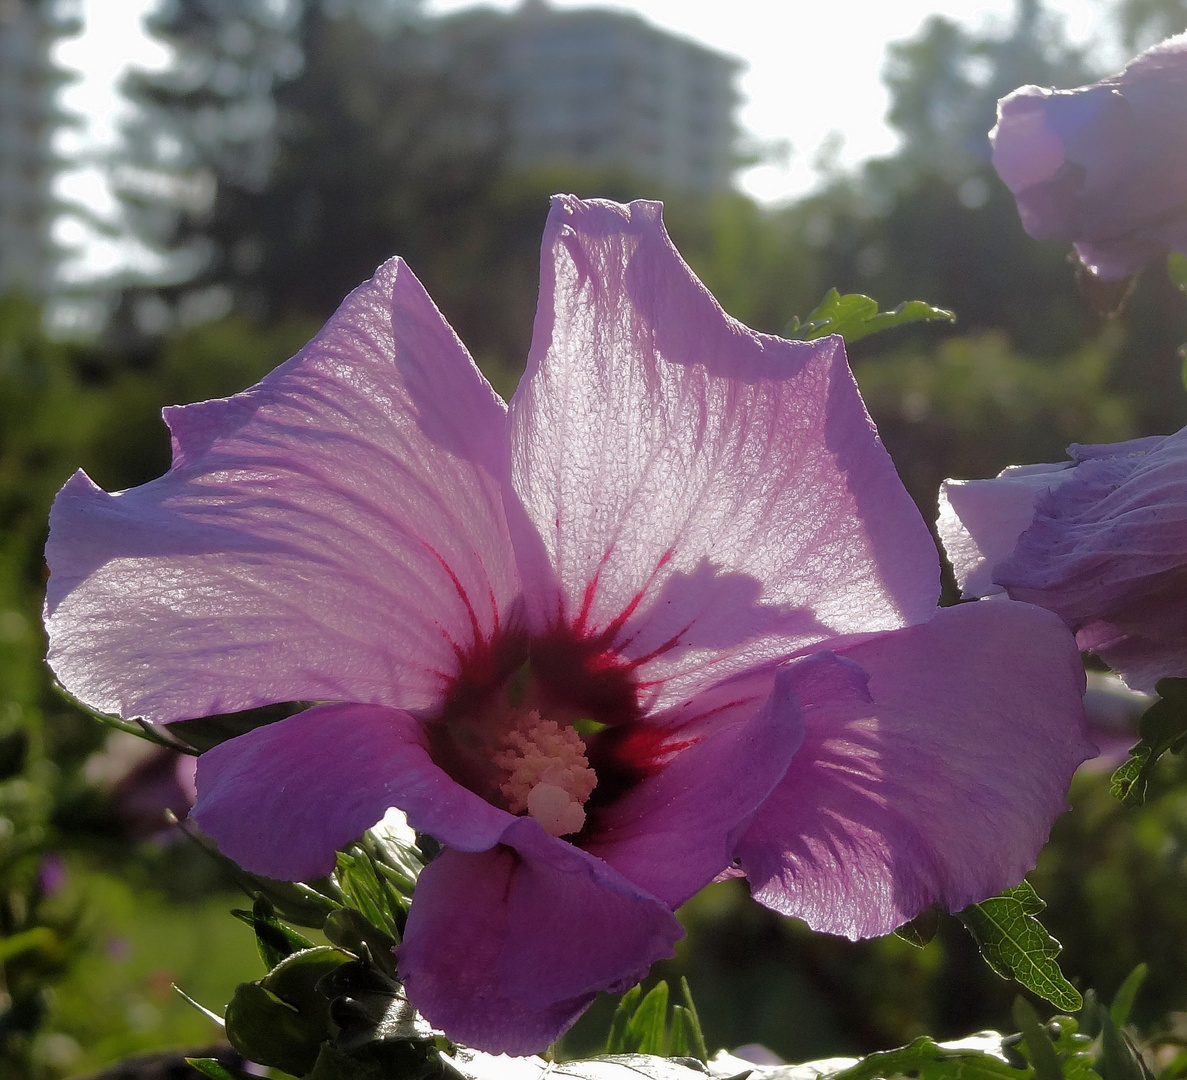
(801, 84)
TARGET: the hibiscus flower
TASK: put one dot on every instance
(1101, 540)
(1103, 166)
(670, 615)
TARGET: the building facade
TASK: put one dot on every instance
(28, 85)
(603, 89)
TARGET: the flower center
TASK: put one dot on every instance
(544, 771)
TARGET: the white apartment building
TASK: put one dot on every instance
(28, 83)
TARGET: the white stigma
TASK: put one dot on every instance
(546, 773)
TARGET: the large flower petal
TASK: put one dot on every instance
(334, 533)
(505, 948)
(676, 830)
(943, 788)
(702, 496)
(282, 798)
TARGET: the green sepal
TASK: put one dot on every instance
(925, 1059)
(855, 316)
(274, 940)
(283, 1019)
(1162, 728)
(1015, 944)
(646, 1029)
(1127, 994)
(1176, 270)
(349, 930)
(1044, 1059)
(367, 1008)
(692, 1022)
(616, 1039)
(206, 732)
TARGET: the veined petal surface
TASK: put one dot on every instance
(942, 787)
(703, 496)
(335, 533)
(282, 798)
(505, 948)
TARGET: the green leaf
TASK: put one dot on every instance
(1123, 1003)
(215, 1069)
(1163, 728)
(921, 929)
(1015, 944)
(646, 1029)
(616, 1039)
(926, 1060)
(855, 316)
(1041, 1051)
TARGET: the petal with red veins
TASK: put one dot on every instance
(942, 788)
(336, 532)
(282, 798)
(505, 948)
(700, 495)
(676, 830)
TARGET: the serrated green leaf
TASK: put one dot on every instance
(616, 1039)
(1016, 945)
(215, 1069)
(1040, 1050)
(1123, 1003)
(855, 316)
(1163, 728)
(646, 1029)
(927, 1060)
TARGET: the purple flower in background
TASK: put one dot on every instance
(1104, 166)
(1100, 540)
(669, 615)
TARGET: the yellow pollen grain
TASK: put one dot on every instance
(547, 774)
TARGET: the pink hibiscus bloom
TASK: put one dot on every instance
(669, 615)
(1104, 166)
(1101, 540)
